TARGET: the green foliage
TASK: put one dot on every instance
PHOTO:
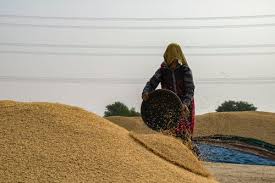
(235, 106)
(133, 112)
(120, 109)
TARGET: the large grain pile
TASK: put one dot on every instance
(258, 125)
(247, 124)
(135, 124)
(43, 142)
(171, 150)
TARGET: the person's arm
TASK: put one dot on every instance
(189, 86)
(152, 84)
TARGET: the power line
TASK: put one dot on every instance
(77, 53)
(130, 54)
(232, 54)
(136, 18)
(20, 44)
(80, 45)
(263, 80)
(73, 80)
(136, 27)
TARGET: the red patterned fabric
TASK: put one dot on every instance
(193, 117)
(186, 125)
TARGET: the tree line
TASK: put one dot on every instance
(120, 109)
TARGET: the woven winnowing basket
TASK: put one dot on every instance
(162, 110)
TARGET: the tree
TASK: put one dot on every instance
(235, 106)
(120, 109)
(133, 112)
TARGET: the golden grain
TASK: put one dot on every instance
(45, 142)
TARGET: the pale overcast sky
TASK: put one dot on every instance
(33, 46)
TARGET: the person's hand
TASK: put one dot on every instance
(185, 110)
(145, 96)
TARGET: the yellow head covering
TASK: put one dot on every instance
(173, 51)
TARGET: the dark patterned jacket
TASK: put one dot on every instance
(179, 81)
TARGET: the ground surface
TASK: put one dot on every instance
(234, 173)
